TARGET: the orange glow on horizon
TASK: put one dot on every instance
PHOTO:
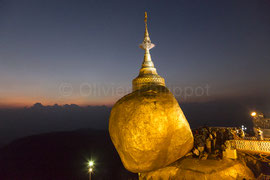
(27, 102)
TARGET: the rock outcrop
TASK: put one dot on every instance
(149, 129)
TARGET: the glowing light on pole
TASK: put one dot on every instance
(253, 114)
(90, 163)
(90, 170)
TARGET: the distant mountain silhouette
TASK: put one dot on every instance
(16, 123)
(62, 156)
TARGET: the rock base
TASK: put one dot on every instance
(191, 168)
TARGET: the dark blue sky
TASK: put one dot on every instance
(86, 51)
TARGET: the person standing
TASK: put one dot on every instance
(214, 139)
(260, 134)
(242, 134)
(208, 143)
(201, 145)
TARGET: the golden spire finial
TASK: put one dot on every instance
(145, 17)
(146, 34)
(146, 44)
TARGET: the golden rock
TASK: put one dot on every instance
(193, 169)
(149, 129)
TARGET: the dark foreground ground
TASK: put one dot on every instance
(62, 156)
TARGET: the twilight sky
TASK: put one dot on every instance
(86, 51)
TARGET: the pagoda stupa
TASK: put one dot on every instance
(147, 127)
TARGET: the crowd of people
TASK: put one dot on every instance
(209, 142)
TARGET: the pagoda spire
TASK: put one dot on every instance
(147, 45)
(148, 73)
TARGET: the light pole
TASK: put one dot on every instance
(90, 173)
(90, 170)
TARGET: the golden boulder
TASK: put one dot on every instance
(149, 129)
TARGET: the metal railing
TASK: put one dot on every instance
(251, 145)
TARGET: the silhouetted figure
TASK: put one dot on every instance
(260, 134)
(208, 143)
(214, 139)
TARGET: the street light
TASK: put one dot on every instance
(253, 114)
(90, 163)
(90, 170)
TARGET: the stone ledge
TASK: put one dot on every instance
(192, 168)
